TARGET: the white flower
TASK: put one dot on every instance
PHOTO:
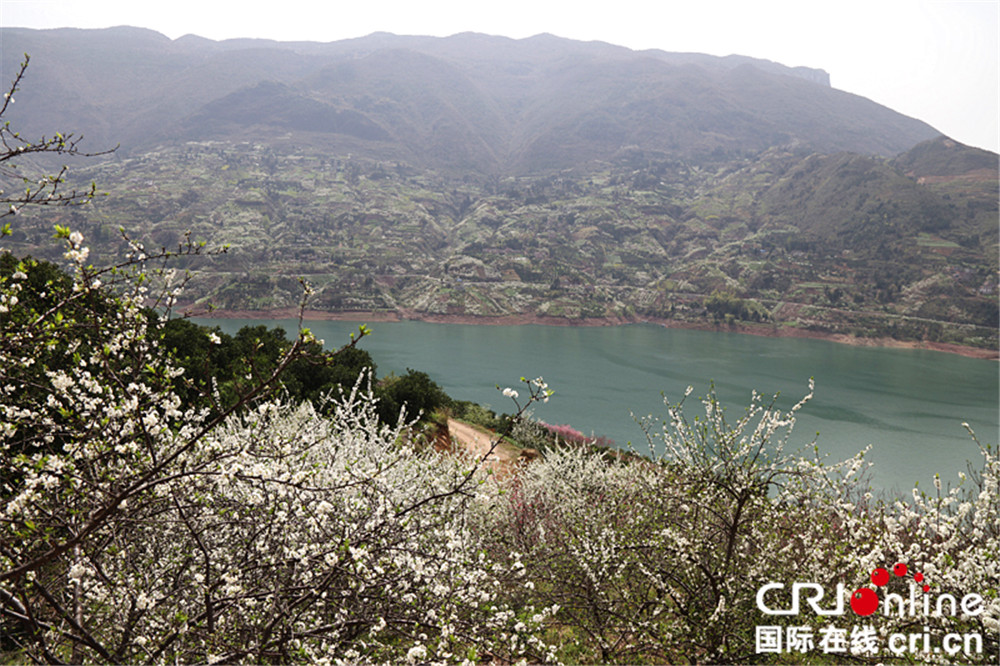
(60, 381)
(78, 255)
(214, 339)
(77, 572)
(510, 393)
(416, 652)
(76, 238)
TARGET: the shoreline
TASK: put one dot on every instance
(519, 320)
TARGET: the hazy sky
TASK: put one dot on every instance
(936, 60)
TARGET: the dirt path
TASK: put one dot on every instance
(478, 442)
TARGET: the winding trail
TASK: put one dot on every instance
(503, 457)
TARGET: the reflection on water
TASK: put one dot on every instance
(908, 404)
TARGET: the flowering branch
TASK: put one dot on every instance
(41, 190)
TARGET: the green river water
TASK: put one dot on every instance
(907, 404)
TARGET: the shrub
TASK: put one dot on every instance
(413, 395)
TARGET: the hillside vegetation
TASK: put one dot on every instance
(841, 243)
(482, 177)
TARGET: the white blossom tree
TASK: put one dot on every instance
(660, 560)
(137, 527)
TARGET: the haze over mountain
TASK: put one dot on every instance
(540, 179)
(470, 101)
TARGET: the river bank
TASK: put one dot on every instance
(909, 405)
(763, 330)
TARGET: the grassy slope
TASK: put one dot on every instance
(837, 243)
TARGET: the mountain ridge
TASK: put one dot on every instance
(536, 104)
(545, 179)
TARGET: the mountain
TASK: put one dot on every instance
(540, 179)
(490, 104)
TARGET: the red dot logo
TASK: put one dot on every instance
(864, 601)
